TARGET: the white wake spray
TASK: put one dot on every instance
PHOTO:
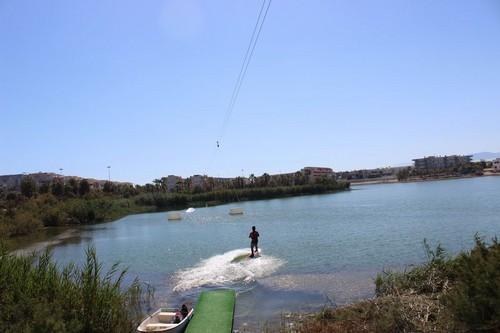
(220, 270)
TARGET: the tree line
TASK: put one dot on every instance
(473, 168)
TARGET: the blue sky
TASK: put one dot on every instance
(143, 85)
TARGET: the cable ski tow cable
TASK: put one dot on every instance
(243, 70)
(244, 66)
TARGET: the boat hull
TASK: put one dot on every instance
(160, 321)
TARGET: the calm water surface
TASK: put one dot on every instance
(317, 250)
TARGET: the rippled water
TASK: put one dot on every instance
(317, 250)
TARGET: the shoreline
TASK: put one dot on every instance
(45, 236)
(41, 245)
(418, 180)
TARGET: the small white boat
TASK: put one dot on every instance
(163, 320)
(190, 210)
(174, 216)
(236, 211)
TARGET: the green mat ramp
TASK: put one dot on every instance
(213, 312)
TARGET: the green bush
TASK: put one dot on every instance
(80, 212)
(475, 296)
(53, 217)
(36, 296)
(24, 223)
(430, 277)
(4, 227)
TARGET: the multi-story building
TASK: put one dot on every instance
(313, 174)
(219, 183)
(435, 163)
(197, 181)
(496, 165)
(174, 183)
(11, 182)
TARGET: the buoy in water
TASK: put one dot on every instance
(174, 216)
(236, 211)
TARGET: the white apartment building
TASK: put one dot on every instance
(496, 165)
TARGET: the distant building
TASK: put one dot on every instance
(218, 183)
(312, 174)
(496, 165)
(197, 181)
(96, 184)
(435, 163)
(174, 183)
(11, 182)
(378, 173)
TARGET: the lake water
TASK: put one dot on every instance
(316, 250)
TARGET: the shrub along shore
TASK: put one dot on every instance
(459, 294)
(36, 295)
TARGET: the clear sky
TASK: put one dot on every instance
(143, 85)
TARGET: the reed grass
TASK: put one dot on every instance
(38, 296)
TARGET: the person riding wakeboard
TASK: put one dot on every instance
(254, 236)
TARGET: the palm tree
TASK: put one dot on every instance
(252, 179)
(157, 183)
(265, 179)
(178, 186)
(187, 184)
(296, 178)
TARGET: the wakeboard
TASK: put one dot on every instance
(245, 256)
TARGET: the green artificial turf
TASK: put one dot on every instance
(213, 313)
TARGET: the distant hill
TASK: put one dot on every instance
(485, 155)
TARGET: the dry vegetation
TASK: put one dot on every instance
(460, 294)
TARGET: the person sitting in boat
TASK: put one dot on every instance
(177, 318)
(184, 311)
(254, 235)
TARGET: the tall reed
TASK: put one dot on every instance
(38, 296)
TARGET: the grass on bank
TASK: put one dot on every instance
(460, 294)
(38, 296)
